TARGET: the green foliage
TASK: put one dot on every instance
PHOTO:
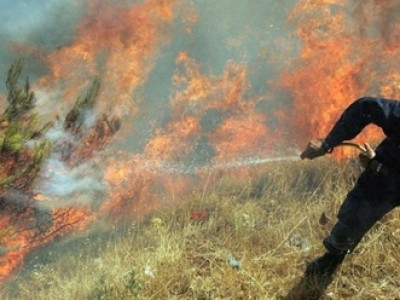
(19, 125)
(75, 116)
(4, 234)
(132, 284)
(13, 139)
(25, 174)
(128, 288)
(33, 129)
(20, 98)
(100, 289)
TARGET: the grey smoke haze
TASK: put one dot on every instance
(238, 31)
(249, 26)
(44, 24)
(50, 24)
(71, 186)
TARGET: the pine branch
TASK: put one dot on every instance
(20, 99)
(74, 118)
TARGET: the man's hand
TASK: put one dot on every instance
(314, 149)
(365, 157)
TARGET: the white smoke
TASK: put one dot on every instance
(59, 180)
(61, 184)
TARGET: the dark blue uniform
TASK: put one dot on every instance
(376, 192)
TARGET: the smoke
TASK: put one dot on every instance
(69, 186)
(248, 43)
(252, 34)
(65, 184)
(46, 25)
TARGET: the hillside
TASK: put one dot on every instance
(37, 156)
(238, 237)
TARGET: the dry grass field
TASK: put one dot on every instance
(237, 238)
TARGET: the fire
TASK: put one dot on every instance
(25, 235)
(241, 130)
(116, 42)
(221, 92)
(129, 185)
(212, 118)
(137, 185)
(235, 127)
(240, 135)
(338, 63)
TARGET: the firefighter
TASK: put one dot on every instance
(377, 190)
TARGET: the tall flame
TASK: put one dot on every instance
(116, 43)
(345, 54)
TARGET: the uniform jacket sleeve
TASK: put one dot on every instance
(384, 113)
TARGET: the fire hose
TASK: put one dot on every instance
(354, 145)
(257, 161)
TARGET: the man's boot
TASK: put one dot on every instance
(325, 265)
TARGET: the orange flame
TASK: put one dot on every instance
(338, 63)
(115, 43)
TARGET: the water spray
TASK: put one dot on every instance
(188, 169)
(257, 161)
(193, 168)
(252, 161)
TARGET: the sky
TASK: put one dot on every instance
(47, 24)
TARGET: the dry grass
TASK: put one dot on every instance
(270, 223)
